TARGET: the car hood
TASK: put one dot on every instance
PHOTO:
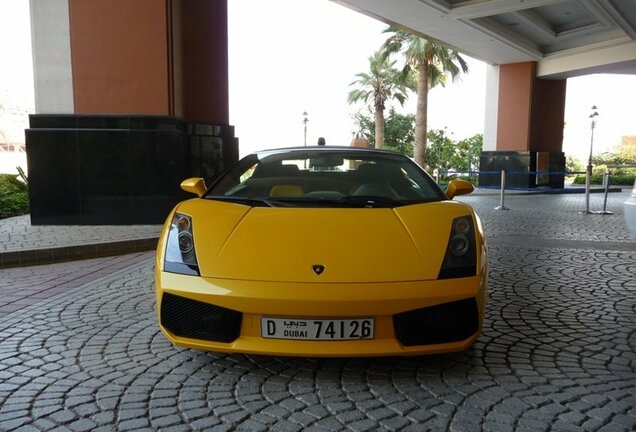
(352, 245)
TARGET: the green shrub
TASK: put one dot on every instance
(14, 196)
(622, 167)
(623, 179)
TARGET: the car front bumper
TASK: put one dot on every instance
(380, 301)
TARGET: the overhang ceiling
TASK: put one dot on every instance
(566, 37)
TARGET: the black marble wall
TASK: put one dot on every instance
(118, 170)
(521, 168)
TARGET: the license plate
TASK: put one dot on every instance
(317, 329)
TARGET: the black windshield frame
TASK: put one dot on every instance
(326, 177)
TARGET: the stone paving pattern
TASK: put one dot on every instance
(20, 287)
(17, 234)
(558, 352)
(552, 216)
(22, 244)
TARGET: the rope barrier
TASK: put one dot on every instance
(503, 186)
(513, 172)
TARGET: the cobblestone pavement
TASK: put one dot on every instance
(558, 352)
(22, 244)
(20, 287)
(17, 234)
(557, 217)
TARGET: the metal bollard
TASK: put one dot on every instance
(606, 182)
(501, 205)
(588, 179)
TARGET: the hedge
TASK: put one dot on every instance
(617, 179)
(14, 196)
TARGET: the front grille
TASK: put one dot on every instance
(448, 322)
(197, 320)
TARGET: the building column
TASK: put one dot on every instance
(529, 128)
(491, 109)
(137, 102)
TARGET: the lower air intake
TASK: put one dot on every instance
(448, 322)
(197, 320)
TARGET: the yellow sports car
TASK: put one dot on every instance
(322, 251)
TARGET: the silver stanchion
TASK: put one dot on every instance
(588, 178)
(606, 182)
(501, 205)
(436, 174)
(588, 173)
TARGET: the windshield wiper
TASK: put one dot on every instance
(354, 201)
(250, 201)
(370, 201)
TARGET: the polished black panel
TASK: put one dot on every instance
(54, 187)
(521, 169)
(104, 163)
(163, 156)
(212, 149)
(111, 170)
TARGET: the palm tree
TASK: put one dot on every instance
(381, 83)
(433, 63)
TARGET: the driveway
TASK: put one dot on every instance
(558, 349)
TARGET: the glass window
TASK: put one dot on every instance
(327, 178)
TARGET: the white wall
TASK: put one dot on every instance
(9, 161)
(491, 109)
(51, 45)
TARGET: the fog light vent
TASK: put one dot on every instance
(448, 322)
(197, 320)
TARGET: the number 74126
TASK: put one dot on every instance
(317, 329)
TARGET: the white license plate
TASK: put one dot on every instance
(317, 329)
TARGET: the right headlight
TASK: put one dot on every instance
(461, 257)
(180, 253)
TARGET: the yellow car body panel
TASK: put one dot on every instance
(281, 244)
(377, 262)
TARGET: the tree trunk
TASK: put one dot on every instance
(379, 126)
(419, 150)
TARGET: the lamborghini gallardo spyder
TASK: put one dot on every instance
(322, 251)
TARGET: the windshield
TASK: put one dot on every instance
(326, 178)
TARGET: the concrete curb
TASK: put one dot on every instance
(31, 257)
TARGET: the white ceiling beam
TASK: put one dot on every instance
(472, 26)
(480, 9)
(535, 22)
(439, 5)
(598, 13)
(598, 58)
(581, 31)
(619, 19)
(420, 17)
(506, 36)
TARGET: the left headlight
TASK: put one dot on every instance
(461, 256)
(180, 253)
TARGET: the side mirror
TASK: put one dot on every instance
(458, 187)
(194, 185)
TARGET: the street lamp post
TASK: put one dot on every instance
(588, 174)
(305, 120)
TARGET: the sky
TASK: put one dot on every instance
(615, 98)
(16, 68)
(282, 67)
(287, 57)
